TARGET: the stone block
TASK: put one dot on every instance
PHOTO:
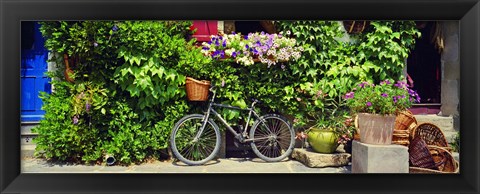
(317, 160)
(445, 123)
(368, 158)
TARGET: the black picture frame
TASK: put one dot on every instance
(12, 12)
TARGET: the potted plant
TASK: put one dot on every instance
(333, 126)
(329, 133)
(377, 107)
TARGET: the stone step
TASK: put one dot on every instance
(26, 127)
(317, 160)
(26, 134)
(27, 151)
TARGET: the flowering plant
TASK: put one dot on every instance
(263, 47)
(385, 98)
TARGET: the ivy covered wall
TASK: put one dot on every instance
(127, 80)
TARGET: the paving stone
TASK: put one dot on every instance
(231, 165)
(313, 159)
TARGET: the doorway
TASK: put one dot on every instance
(424, 69)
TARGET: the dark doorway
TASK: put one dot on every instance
(246, 27)
(424, 66)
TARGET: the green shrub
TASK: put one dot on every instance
(456, 143)
(127, 93)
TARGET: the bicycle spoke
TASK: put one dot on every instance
(190, 149)
(273, 138)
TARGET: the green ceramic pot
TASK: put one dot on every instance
(323, 141)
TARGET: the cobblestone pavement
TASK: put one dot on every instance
(231, 165)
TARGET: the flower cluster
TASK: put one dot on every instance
(385, 98)
(246, 50)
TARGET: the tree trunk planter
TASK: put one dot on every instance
(323, 141)
(68, 71)
(376, 129)
(355, 27)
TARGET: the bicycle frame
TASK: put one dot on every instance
(242, 137)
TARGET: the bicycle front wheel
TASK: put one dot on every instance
(273, 138)
(191, 150)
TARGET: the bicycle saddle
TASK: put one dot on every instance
(256, 100)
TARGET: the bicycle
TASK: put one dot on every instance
(195, 138)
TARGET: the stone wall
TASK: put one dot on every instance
(450, 61)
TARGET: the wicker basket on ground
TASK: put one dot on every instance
(431, 134)
(401, 137)
(197, 90)
(419, 155)
(405, 122)
(445, 162)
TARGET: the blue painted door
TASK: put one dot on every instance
(33, 78)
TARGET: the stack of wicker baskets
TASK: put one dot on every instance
(430, 152)
(197, 90)
(405, 122)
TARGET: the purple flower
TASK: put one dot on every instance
(369, 104)
(385, 95)
(362, 85)
(224, 43)
(234, 54)
(75, 119)
(115, 28)
(87, 106)
(95, 44)
(349, 95)
(385, 82)
(400, 84)
(205, 48)
(283, 67)
(395, 99)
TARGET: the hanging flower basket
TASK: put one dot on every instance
(197, 90)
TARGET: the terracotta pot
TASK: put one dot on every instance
(376, 129)
(322, 141)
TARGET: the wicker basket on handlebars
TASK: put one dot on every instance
(197, 90)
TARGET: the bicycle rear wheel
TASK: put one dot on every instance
(195, 151)
(273, 138)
